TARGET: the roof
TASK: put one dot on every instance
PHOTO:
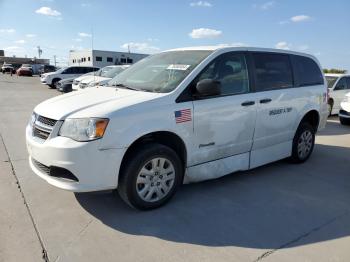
(337, 75)
(240, 48)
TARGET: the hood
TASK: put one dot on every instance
(80, 78)
(48, 74)
(93, 102)
(90, 79)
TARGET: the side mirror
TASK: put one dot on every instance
(208, 87)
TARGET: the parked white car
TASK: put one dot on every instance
(102, 77)
(338, 86)
(180, 116)
(52, 78)
(76, 81)
(344, 113)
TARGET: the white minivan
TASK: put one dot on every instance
(180, 116)
(338, 86)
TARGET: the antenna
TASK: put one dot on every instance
(40, 51)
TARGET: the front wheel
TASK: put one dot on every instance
(303, 143)
(54, 83)
(344, 121)
(150, 178)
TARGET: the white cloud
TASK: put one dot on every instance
(7, 30)
(85, 4)
(283, 45)
(303, 47)
(201, 4)
(300, 18)
(47, 11)
(140, 47)
(205, 33)
(265, 6)
(21, 41)
(84, 35)
(235, 44)
(30, 35)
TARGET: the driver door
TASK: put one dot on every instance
(224, 124)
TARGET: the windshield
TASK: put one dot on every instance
(162, 72)
(331, 81)
(112, 72)
(60, 70)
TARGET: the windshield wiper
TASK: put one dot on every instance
(125, 86)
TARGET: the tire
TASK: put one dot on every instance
(54, 83)
(344, 121)
(154, 188)
(330, 107)
(303, 143)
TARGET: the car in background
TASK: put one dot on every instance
(65, 85)
(25, 70)
(47, 69)
(338, 86)
(344, 112)
(104, 76)
(76, 81)
(52, 79)
(8, 68)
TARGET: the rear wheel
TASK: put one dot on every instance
(54, 83)
(330, 107)
(303, 143)
(344, 121)
(150, 178)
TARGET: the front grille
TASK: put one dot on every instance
(41, 167)
(46, 121)
(43, 127)
(57, 172)
(82, 85)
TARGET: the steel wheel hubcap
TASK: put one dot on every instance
(305, 144)
(155, 179)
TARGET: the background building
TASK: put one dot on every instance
(102, 58)
(18, 61)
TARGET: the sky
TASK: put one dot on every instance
(319, 27)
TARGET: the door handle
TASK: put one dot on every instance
(248, 103)
(265, 101)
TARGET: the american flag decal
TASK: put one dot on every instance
(183, 115)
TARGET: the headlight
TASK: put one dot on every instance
(84, 129)
(32, 119)
(94, 84)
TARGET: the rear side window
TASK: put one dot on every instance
(272, 71)
(348, 82)
(307, 72)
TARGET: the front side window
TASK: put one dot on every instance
(272, 71)
(231, 71)
(307, 71)
(161, 72)
(341, 85)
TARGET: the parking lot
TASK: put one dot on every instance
(278, 212)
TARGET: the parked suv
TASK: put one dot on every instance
(344, 112)
(338, 86)
(47, 69)
(8, 68)
(180, 116)
(52, 79)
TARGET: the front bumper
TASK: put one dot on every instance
(96, 169)
(344, 111)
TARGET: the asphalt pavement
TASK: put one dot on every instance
(278, 212)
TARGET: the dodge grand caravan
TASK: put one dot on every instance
(180, 116)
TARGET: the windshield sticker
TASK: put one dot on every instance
(178, 67)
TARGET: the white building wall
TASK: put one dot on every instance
(101, 58)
